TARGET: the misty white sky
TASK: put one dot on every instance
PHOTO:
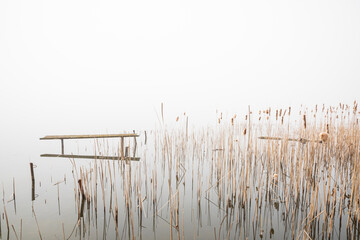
(109, 64)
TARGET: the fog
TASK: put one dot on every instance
(106, 66)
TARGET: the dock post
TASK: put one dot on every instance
(32, 181)
(81, 213)
(135, 145)
(122, 148)
(126, 151)
(81, 188)
(62, 146)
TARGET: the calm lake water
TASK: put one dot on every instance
(215, 182)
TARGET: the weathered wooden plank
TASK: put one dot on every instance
(51, 137)
(90, 157)
(301, 140)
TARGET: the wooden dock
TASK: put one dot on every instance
(52, 137)
(88, 136)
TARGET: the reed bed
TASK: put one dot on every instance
(272, 173)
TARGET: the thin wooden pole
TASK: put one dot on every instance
(81, 214)
(122, 148)
(135, 145)
(126, 152)
(81, 188)
(32, 181)
(62, 146)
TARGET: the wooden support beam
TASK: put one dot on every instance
(90, 157)
(122, 149)
(62, 146)
(126, 151)
(135, 145)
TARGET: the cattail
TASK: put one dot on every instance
(355, 107)
(324, 136)
(244, 132)
(275, 178)
(304, 118)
